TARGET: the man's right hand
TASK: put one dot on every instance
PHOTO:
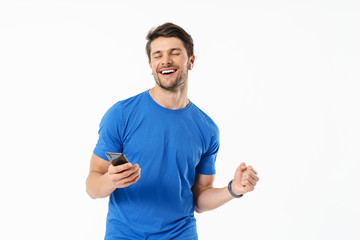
(124, 175)
(104, 178)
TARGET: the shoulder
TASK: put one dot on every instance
(133, 100)
(127, 104)
(205, 119)
(123, 108)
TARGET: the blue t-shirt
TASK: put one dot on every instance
(170, 146)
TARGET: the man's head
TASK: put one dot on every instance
(170, 52)
(170, 30)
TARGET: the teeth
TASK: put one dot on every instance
(167, 71)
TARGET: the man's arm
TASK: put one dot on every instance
(206, 197)
(104, 178)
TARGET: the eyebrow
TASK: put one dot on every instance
(174, 49)
(155, 53)
(171, 50)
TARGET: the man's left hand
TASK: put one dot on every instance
(245, 179)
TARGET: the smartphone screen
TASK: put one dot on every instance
(116, 158)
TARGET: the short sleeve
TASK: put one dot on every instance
(110, 132)
(206, 165)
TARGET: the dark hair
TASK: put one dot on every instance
(170, 30)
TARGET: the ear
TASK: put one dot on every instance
(191, 62)
(150, 64)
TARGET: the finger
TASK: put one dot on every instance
(246, 181)
(243, 166)
(116, 177)
(123, 167)
(253, 176)
(131, 179)
(252, 169)
(131, 182)
(249, 180)
(116, 169)
(126, 173)
(238, 174)
(248, 184)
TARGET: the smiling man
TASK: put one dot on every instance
(171, 146)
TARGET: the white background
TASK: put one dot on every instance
(280, 78)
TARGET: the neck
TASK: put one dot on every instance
(175, 99)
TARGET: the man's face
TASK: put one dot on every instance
(169, 62)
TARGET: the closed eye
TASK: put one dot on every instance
(176, 52)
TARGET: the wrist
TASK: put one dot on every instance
(236, 189)
(234, 193)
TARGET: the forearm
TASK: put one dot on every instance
(211, 198)
(98, 185)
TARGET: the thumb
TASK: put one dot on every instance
(239, 172)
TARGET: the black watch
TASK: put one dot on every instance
(231, 192)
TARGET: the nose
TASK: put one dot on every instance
(166, 60)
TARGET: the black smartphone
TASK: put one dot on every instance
(116, 158)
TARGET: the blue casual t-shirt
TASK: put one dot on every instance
(170, 146)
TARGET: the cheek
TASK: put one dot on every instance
(153, 68)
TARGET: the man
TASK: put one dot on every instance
(171, 146)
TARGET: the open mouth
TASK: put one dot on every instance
(167, 71)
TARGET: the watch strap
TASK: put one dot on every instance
(232, 193)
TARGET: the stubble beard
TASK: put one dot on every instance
(179, 81)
